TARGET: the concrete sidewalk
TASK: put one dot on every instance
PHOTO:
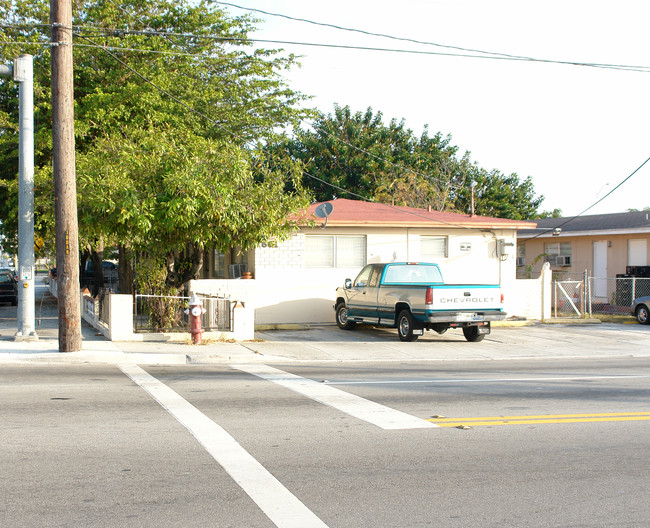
(325, 343)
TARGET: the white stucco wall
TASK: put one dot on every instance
(285, 291)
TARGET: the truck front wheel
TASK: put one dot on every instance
(472, 335)
(342, 320)
(405, 326)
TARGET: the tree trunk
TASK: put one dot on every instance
(97, 258)
(125, 270)
(176, 279)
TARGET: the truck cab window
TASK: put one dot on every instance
(363, 277)
(375, 276)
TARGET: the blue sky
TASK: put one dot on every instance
(577, 131)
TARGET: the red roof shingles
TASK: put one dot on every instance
(357, 213)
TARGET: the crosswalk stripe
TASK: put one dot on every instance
(366, 410)
(277, 502)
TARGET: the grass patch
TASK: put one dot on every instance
(615, 318)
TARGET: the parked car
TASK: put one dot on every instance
(413, 297)
(109, 267)
(640, 309)
(8, 288)
(12, 271)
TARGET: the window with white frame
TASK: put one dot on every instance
(433, 247)
(335, 251)
(521, 254)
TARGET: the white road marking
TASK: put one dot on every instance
(486, 380)
(366, 410)
(278, 503)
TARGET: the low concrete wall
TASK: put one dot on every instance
(293, 300)
(531, 298)
(118, 322)
(282, 300)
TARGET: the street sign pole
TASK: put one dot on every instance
(24, 75)
(22, 72)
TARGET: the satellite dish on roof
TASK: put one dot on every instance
(323, 211)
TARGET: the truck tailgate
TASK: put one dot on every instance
(466, 298)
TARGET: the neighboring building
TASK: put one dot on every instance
(604, 245)
(296, 279)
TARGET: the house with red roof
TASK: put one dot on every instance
(294, 280)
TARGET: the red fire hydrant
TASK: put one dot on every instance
(195, 311)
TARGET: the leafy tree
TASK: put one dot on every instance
(165, 191)
(168, 100)
(359, 153)
(499, 195)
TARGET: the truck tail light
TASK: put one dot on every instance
(503, 298)
(428, 296)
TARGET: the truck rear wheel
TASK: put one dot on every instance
(342, 320)
(472, 335)
(405, 326)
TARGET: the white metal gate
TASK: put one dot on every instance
(571, 298)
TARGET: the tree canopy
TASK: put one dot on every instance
(177, 143)
(170, 103)
(361, 155)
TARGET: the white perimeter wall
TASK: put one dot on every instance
(285, 291)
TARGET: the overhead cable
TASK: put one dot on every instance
(593, 204)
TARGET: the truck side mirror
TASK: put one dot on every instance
(348, 284)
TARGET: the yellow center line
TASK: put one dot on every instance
(541, 419)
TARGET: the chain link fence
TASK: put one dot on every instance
(615, 296)
(581, 296)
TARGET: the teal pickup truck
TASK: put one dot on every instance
(413, 297)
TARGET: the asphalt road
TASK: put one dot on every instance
(549, 442)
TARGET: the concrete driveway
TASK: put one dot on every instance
(538, 341)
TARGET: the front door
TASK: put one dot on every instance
(600, 269)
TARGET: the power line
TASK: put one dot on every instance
(248, 40)
(490, 54)
(23, 42)
(107, 50)
(148, 81)
(402, 209)
(139, 50)
(594, 204)
(310, 175)
(117, 32)
(623, 67)
(470, 53)
(365, 32)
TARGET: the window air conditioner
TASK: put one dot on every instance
(520, 261)
(563, 261)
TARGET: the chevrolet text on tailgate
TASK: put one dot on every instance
(413, 297)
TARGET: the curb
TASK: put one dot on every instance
(572, 320)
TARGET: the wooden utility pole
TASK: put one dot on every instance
(65, 185)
